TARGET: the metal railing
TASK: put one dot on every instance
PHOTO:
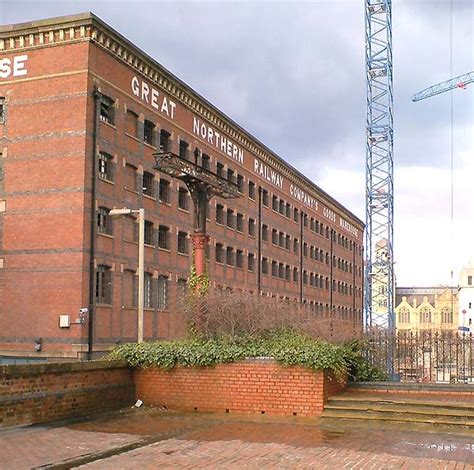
(425, 356)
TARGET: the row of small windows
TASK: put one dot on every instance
(155, 290)
(425, 315)
(278, 205)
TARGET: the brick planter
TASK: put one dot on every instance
(253, 386)
(38, 393)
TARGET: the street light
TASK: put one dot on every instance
(115, 213)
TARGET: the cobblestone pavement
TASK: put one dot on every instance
(147, 439)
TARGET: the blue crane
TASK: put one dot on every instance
(457, 82)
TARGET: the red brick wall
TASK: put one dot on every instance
(260, 386)
(38, 393)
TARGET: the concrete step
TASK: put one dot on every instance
(345, 401)
(400, 409)
(410, 413)
(435, 421)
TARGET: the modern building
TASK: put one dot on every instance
(426, 308)
(83, 112)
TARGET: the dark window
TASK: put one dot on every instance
(131, 125)
(251, 262)
(164, 237)
(295, 214)
(287, 272)
(240, 223)
(274, 269)
(183, 199)
(220, 214)
(275, 236)
(183, 243)
(2, 110)
(305, 220)
(288, 242)
(106, 167)
(148, 184)
(252, 227)
(305, 249)
(103, 285)
(282, 207)
(240, 183)
(265, 233)
(164, 191)
(295, 245)
(220, 169)
(239, 259)
(162, 297)
(295, 274)
(164, 141)
(275, 203)
(305, 277)
(107, 110)
(206, 161)
(219, 253)
(281, 271)
(149, 132)
(229, 256)
(265, 197)
(149, 233)
(148, 291)
(230, 175)
(183, 149)
(230, 218)
(264, 266)
(469, 280)
(281, 240)
(104, 221)
(288, 210)
(251, 190)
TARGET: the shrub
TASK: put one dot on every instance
(222, 313)
(286, 347)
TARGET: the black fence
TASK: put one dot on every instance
(438, 357)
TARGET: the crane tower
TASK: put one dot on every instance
(379, 276)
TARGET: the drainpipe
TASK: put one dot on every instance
(259, 241)
(93, 226)
(331, 282)
(302, 216)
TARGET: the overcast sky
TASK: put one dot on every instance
(293, 74)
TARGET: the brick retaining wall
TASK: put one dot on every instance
(253, 386)
(38, 393)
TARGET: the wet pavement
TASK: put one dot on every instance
(148, 438)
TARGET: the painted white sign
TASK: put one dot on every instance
(215, 138)
(303, 197)
(15, 67)
(268, 173)
(152, 97)
(349, 227)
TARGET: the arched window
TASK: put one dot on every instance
(446, 315)
(404, 315)
(425, 315)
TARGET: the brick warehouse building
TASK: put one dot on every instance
(73, 90)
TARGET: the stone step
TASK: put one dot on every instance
(406, 413)
(349, 402)
(435, 421)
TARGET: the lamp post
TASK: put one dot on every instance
(115, 213)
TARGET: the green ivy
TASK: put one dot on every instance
(286, 347)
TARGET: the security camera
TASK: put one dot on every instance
(83, 311)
